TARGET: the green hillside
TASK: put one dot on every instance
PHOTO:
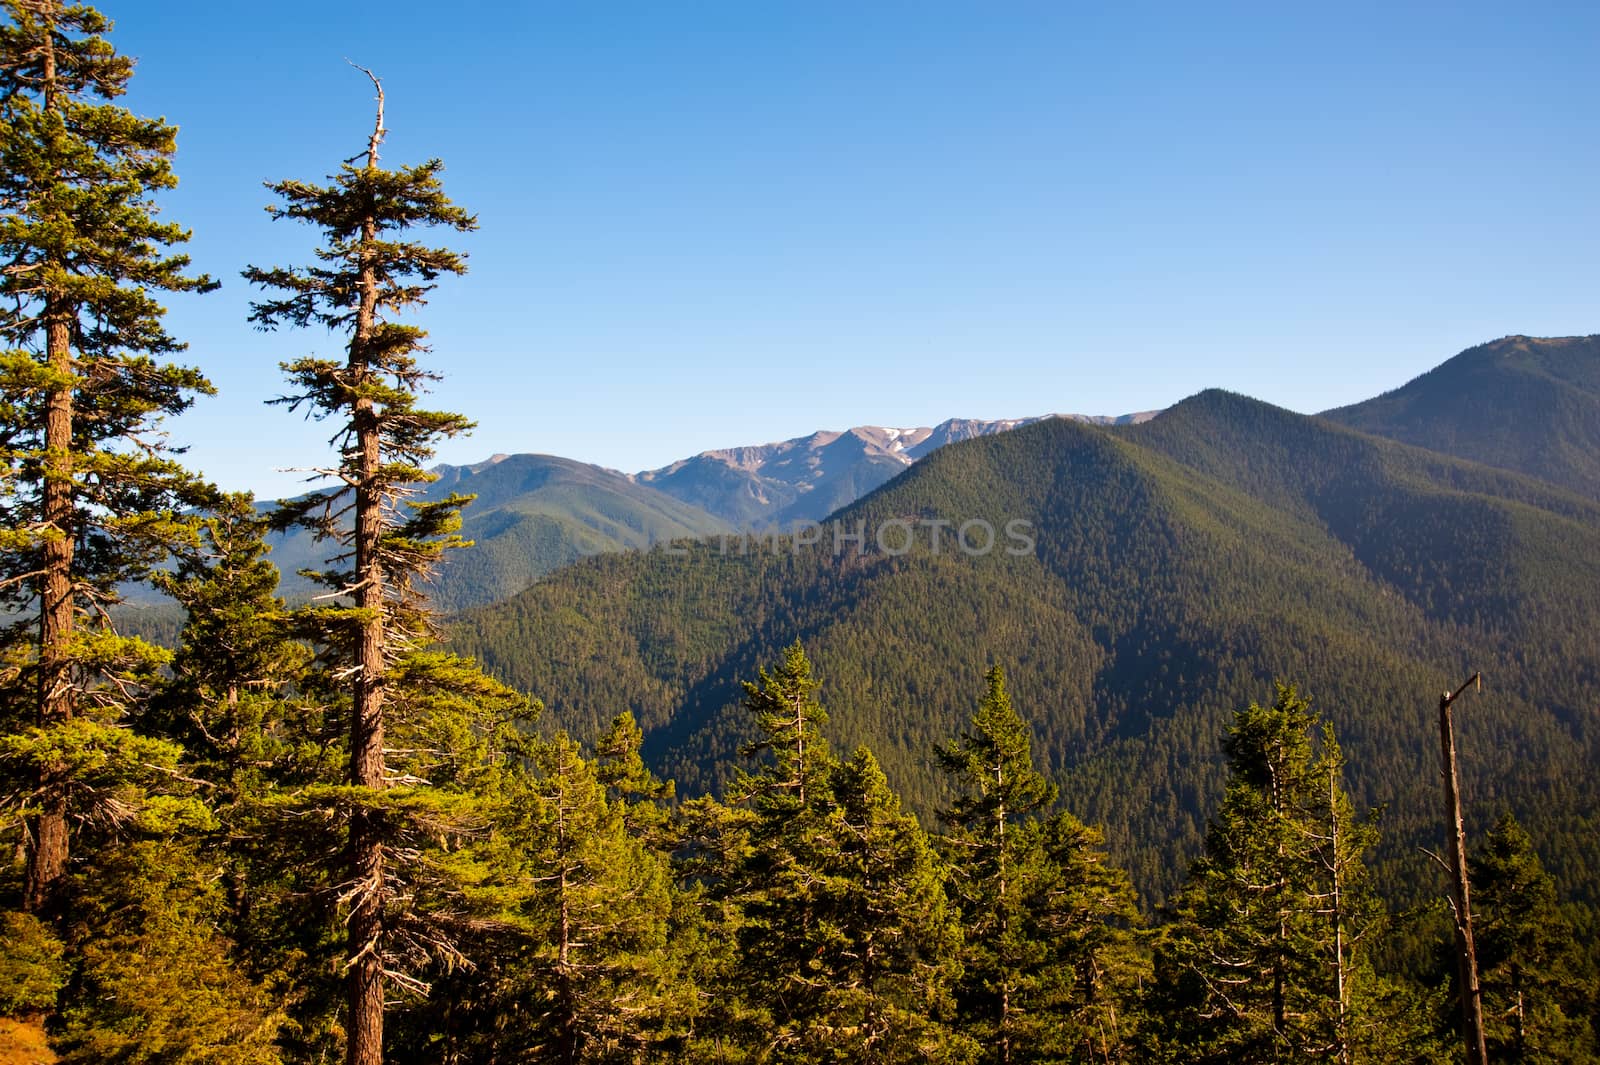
(532, 514)
(1530, 404)
(1179, 566)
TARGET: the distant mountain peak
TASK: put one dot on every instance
(1530, 404)
(808, 477)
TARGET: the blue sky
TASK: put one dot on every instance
(707, 224)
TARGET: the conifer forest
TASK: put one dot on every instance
(1162, 783)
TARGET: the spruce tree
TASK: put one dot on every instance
(847, 944)
(1263, 961)
(1537, 982)
(89, 491)
(776, 885)
(256, 726)
(789, 717)
(997, 791)
(237, 661)
(886, 946)
(366, 275)
(1083, 912)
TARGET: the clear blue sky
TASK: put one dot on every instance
(717, 223)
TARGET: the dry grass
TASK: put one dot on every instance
(23, 1044)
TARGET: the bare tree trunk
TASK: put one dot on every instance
(1005, 918)
(1522, 1019)
(800, 747)
(1466, 949)
(367, 768)
(567, 1036)
(1341, 1022)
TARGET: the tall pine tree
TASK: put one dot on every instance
(1263, 961)
(887, 947)
(776, 885)
(367, 274)
(89, 493)
(998, 791)
(847, 944)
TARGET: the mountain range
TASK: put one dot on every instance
(535, 513)
(1177, 568)
(809, 477)
(1526, 404)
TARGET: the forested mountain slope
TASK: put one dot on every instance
(532, 514)
(1530, 404)
(1179, 566)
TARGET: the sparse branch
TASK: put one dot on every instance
(378, 128)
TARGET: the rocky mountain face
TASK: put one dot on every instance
(809, 477)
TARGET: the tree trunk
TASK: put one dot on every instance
(47, 860)
(1522, 1024)
(1466, 950)
(1005, 918)
(800, 746)
(367, 771)
(1341, 994)
(1279, 1008)
(367, 768)
(567, 1031)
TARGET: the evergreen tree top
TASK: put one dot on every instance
(993, 760)
(1270, 746)
(368, 274)
(78, 228)
(786, 711)
(39, 47)
(784, 702)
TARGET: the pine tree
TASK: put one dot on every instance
(1247, 940)
(1083, 911)
(89, 492)
(366, 276)
(885, 949)
(997, 791)
(631, 786)
(1262, 963)
(241, 703)
(790, 719)
(846, 944)
(1537, 983)
(573, 914)
(776, 885)
(237, 659)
